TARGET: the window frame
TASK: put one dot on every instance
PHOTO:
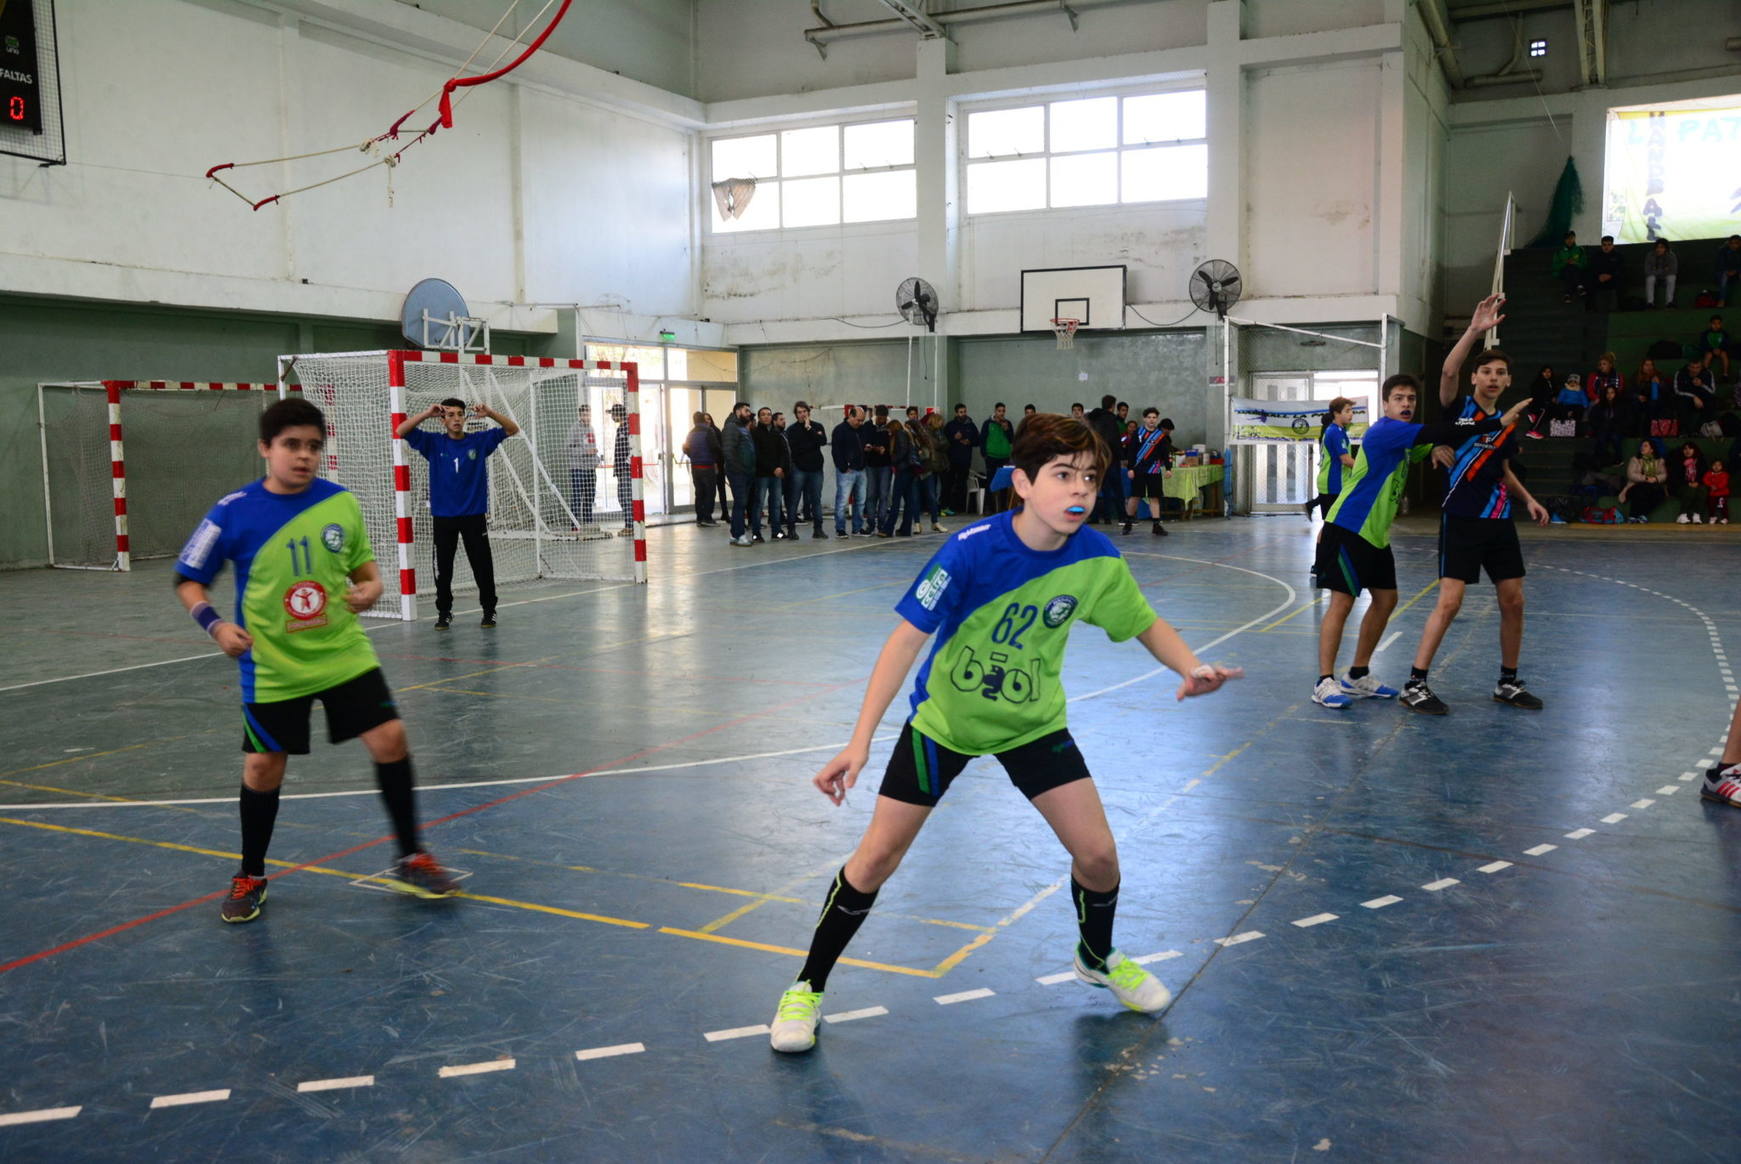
(841, 172)
(966, 160)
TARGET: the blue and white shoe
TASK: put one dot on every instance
(1328, 693)
(1366, 687)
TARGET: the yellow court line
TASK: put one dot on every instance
(536, 908)
(474, 674)
(1315, 601)
(1420, 595)
(766, 948)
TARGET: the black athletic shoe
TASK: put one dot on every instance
(489, 622)
(818, 534)
(247, 897)
(1513, 693)
(1417, 696)
(1159, 530)
(756, 539)
(1125, 529)
(422, 876)
(442, 621)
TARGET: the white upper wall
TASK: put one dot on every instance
(567, 184)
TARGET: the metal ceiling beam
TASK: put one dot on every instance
(1440, 33)
(913, 12)
(1504, 8)
(1592, 21)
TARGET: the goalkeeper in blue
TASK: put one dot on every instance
(304, 572)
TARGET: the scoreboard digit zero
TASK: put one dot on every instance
(20, 77)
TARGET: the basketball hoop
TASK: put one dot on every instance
(1066, 332)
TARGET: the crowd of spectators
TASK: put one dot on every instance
(1598, 277)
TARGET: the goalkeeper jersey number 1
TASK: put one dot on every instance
(293, 554)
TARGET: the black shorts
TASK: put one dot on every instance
(1467, 545)
(1149, 485)
(921, 769)
(1349, 563)
(352, 708)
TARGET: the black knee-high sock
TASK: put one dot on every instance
(401, 801)
(842, 914)
(259, 812)
(1094, 912)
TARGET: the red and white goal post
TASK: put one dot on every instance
(130, 466)
(560, 506)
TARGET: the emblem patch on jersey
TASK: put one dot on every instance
(931, 588)
(471, 454)
(305, 602)
(333, 537)
(1059, 610)
(199, 546)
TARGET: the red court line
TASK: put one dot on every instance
(553, 782)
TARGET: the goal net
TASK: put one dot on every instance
(563, 503)
(130, 466)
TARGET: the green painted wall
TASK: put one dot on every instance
(51, 339)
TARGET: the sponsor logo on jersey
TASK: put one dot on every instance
(971, 530)
(199, 546)
(333, 537)
(931, 587)
(471, 454)
(305, 602)
(1059, 610)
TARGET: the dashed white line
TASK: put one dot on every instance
(40, 1116)
(1381, 902)
(1668, 790)
(1055, 979)
(963, 996)
(610, 1052)
(188, 1097)
(1317, 919)
(1646, 802)
(485, 1068)
(1493, 867)
(1579, 834)
(1539, 850)
(1162, 956)
(735, 1033)
(1441, 883)
(1614, 818)
(1388, 639)
(847, 1016)
(336, 1084)
(1240, 939)
(1686, 776)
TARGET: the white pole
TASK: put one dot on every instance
(47, 493)
(537, 499)
(1227, 418)
(1383, 345)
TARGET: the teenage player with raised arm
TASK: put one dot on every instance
(1000, 596)
(304, 571)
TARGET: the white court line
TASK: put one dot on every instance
(1316, 919)
(39, 1116)
(1540, 850)
(963, 996)
(1239, 939)
(337, 1084)
(1055, 979)
(1441, 883)
(610, 1052)
(1646, 802)
(477, 1068)
(1163, 956)
(1579, 834)
(1388, 639)
(1668, 790)
(188, 1097)
(735, 1033)
(1614, 818)
(1381, 902)
(1143, 960)
(847, 1016)
(1686, 776)
(1493, 867)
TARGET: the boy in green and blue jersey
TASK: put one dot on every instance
(1000, 596)
(304, 571)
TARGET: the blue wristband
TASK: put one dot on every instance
(206, 616)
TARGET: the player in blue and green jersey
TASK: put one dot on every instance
(304, 571)
(1354, 545)
(1476, 531)
(1334, 457)
(1000, 597)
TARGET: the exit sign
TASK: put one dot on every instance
(20, 78)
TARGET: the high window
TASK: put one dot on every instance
(1091, 151)
(820, 176)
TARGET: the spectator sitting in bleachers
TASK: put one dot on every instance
(1542, 391)
(1717, 493)
(1646, 478)
(1570, 266)
(1715, 345)
(1688, 478)
(1651, 396)
(1695, 394)
(1570, 402)
(1606, 271)
(1610, 421)
(1660, 263)
(1728, 266)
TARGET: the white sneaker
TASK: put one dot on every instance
(1698, 519)
(935, 528)
(1682, 519)
(742, 540)
(1366, 687)
(1328, 692)
(1130, 984)
(794, 1026)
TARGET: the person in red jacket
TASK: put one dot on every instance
(1717, 493)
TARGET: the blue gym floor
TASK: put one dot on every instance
(1494, 936)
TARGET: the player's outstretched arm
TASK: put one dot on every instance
(886, 680)
(1487, 317)
(1170, 651)
(365, 588)
(233, 639)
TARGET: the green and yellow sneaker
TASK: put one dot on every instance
(1130, 984)
(795, 1019)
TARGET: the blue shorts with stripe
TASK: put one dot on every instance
(352, 708)
(921, 769)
